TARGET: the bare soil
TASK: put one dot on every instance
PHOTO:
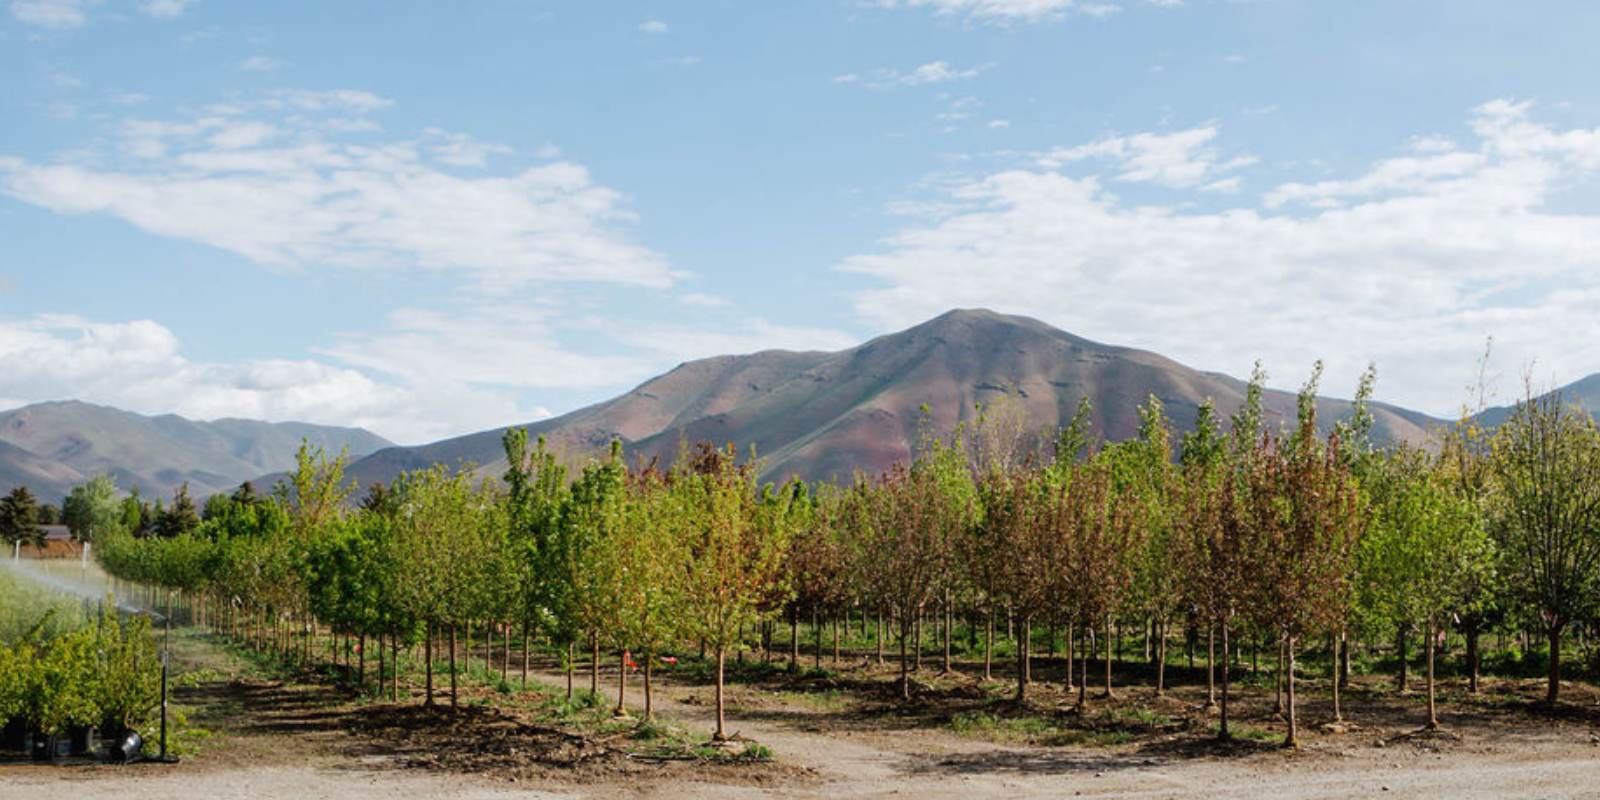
(849, 736)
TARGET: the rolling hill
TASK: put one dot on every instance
(54, 446)
(820, 415)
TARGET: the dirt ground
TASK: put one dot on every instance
(295, 741)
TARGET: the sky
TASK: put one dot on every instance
(430, 218)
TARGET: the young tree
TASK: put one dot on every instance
(735, 540)
(1425, 547)
(1306, 517)
(91, 508)
(1546, 514)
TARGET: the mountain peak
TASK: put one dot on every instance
(826, 415)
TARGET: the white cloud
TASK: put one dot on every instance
(1412, 263)
(1182, 158)
(166, 8)
(62, 14)
(299, 179)
(653, 26)
(139, 366)
(262, 64)
(932, 72)
(52, 13)
(1008, 10)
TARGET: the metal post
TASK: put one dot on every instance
(166, 638)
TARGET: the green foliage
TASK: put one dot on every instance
(19, 517)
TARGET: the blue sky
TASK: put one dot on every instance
(435, 218)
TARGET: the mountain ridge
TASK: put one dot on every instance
(54, 445)
(823, 415)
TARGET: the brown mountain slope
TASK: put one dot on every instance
(822, 415)
(54, 446)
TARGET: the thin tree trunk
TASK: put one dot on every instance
(1222, 731)
(1109, 693)
(949, 625)
(1292, 739)
(1022, 665)
(836, 640)
(394, 663)
(1553, 692)
(988, 647)
(1211, 667)
(1161, 657)
(526, 641)
(572, 654)
(722, 654)
(1277, 680)
(1334, 646)
(1400, 647)
(1433, 712)
(452, 666)
(427, 647)
(905, 664)
(816, 635)
(361, 660)
(1070, 648)
(1025, 651)
(622, 685)
(594, 663)
(1472, 659)
(794, 639)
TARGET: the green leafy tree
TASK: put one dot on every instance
(735, 540)
(19, 517)
(1546, 514)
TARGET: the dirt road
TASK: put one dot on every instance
(842, 761)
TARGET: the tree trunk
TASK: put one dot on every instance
(905, 664)
(622, 686)
(1277, 680)
(836, 640)
(1433, 715)
(572, 655)
(594, 663)
(1022, 665)
(1109, 694)
(526, 637)
(720, 735)
(988, 648)
(1161, 657)
(1211, 667)
(949, 629)
(1070, 652)
(794, 639)
(1333, 649)
(1222, 731)
(453, 685)
(427, 672)
(1083, 671)
(394, 661)
(1292, 738)
(816, 634)
(361, 660)
(1472, 659)
(917, 635)
(1025, 651)
(1400, 648)
(1553, 693)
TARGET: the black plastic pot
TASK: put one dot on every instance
(125, 748)
(48, 748)
(85, 738)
